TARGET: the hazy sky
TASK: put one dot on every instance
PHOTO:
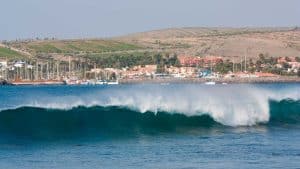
(105, 18)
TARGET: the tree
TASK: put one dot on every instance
(113, 76)
(177, 62)
(288, 59)
(286, 65)
(258, 65)
(224, 67)
(261, 58)
(158, 58)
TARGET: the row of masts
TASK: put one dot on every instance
(40, 70)
(243, 63)
(43, 70)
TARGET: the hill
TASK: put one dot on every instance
(231, 43)
(226, 42)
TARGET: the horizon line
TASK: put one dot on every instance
(288, 28)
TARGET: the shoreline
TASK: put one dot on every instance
(173, 81)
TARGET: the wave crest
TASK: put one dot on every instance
(234, 105)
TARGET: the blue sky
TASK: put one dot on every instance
(106, 18)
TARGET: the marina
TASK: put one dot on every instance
(150, 84)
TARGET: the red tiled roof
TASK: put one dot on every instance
(193, 61)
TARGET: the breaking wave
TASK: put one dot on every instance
(138, 108)
(48, 122)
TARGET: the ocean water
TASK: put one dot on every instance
(150, 126)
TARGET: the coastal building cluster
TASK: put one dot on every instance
(189, 67)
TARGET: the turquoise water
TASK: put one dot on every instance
(150, 126)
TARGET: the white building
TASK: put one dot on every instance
(3, 64)
(19, 64)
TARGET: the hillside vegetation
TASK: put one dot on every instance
(9, 54)
(75, 46)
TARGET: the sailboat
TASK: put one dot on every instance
(113, 82)
(210, 83)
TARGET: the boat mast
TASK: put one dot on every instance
(36, 70)
(57, 70)
(69, 66)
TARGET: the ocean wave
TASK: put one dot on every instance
(234, 105)
(29, 121)
(42, 122)
(284, 112)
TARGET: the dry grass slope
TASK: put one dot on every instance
(226, 42)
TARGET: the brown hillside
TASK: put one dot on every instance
(227, 42)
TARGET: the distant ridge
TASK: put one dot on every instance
(206, 31)
(227, 42)
(231, 43)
